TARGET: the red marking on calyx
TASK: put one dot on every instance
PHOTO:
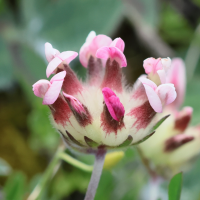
(108, 124)
(140, 93)
(113, 76)
(95, 70)
(182, 123)
(177, 141)
(71, 84)
(84, 118)
(61, 111)
(143, 114)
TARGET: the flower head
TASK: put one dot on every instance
(175, 144)
(103, 113)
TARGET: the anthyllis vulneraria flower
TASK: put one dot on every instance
(103, 112)
(175, 144)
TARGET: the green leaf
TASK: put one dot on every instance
(174, 190)
(15, 187)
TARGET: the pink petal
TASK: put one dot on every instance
(148, 82)
(50, 52)
(91, 46)
(52, 66)
(118, 55)
(177, 76)
(41, 87)
(166, 63)
(119, 43)
(162, 75)
(58, 77)
(84, 54)
(90, 36)
(138, 82)
(152, 65)
(68, 56)
(153, 98)
(115, 107)
(103, 53)
(52, 93)
(113, 53)
(167, 93)
(99, 41)
(75, 103)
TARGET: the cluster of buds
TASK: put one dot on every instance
(103, 112)
(175, 144)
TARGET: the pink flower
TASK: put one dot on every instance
(157, 69)
(177, 76)
(114, 51)
(159, 96)
(55, 58)
(103, 113)
(175, 144)
(113, 104)
(49, 91)
(91, 45)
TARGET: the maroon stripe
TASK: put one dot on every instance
(113, 76)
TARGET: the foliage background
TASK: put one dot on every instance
(157, 28)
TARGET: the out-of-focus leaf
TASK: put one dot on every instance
(148, 11)
(172, 24)
(6, 72)
(68, 181)
(174, 191)
(67, 23)
(43, 135)
(33, 61)
(5, 168)
(192, 99)
(15, 187)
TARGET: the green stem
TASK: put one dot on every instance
(75, 163)
(36, 194)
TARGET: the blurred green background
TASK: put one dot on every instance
(150, 28)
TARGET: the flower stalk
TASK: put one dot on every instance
(96, 174)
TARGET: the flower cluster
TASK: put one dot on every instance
(175, 144)
(103, 112)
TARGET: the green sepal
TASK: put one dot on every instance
(159, 123)
(90, 142)
(127, 141)
(145, 138)
(73, 139)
